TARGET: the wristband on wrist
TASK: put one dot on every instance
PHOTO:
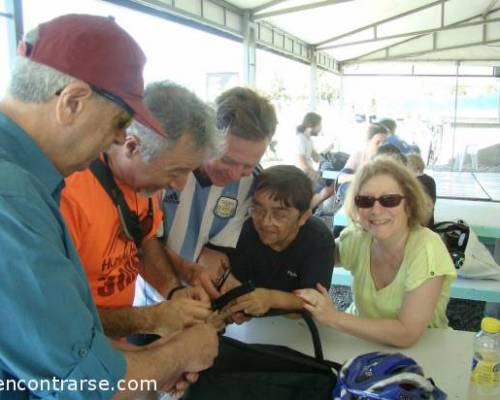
(172, 291)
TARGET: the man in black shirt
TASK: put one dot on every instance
(281, 247)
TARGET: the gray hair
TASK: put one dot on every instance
(180, 112)
(32, 82)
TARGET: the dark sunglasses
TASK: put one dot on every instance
(387, 201)
(108, 96)
(115, 99)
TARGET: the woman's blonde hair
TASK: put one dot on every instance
(417, 201)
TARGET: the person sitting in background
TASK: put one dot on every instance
(389, 150)
(281, 247)
(389, 124)
(307, 156)
(396, 140)
(402, 272)
(416, 164)
(376, 135)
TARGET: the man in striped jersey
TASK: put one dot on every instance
(206, 217)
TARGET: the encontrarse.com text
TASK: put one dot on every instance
(75, 385)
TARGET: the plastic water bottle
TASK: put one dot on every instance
(485, 374)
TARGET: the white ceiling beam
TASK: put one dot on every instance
(408, 56)
(442, 14)
(268, 35)
(490, 7)
(266, 6)
(383, 21)
(297, 9)
(413, 33)
(434, 43)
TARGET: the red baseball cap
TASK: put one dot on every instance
(99, 52)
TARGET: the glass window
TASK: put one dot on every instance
(4, 55)
(286, 83)
(328, 105)
(455, 124)
(185, 55)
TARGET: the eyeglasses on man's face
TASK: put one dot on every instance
(277, 215)
(123, 121)
(386, 201)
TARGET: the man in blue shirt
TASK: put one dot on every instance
(76, 87)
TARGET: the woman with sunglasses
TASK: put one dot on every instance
(401, 270)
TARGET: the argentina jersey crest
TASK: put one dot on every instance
(225, 207)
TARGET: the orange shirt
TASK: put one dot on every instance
(109, 258)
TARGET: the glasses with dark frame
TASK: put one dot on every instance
(386, 201)
(123, 121)
(277, 215)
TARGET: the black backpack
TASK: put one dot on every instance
(262, 371)
(455, 236)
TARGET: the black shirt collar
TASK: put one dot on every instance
(202, 178)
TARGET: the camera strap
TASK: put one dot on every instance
(129, 219)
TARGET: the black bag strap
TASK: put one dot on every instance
(311, 325)
(449, 226)
(129, 220)
(226, 298)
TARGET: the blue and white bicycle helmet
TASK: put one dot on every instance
(384, 376)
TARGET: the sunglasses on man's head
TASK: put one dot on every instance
(387, 201)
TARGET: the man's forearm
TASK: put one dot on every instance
(165, 360)
(149, 364)
(158, 267)
(183, 268)
(125, 321)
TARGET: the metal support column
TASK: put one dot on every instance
(456, 165)
(313, 83)
(249, 51)
(14, 26)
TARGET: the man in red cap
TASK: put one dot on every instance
(74, 90)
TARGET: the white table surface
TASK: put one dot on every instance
(444, 354)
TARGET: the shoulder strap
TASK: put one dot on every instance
(129, 220)
(313, 329)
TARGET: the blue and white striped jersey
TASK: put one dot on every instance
(202, 213)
